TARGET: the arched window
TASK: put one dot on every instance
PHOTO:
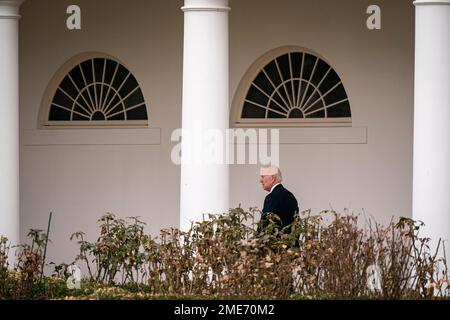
(94, 90)
(291, 86)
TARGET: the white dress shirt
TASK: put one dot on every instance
(274, 186)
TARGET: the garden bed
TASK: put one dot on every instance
(325, 256)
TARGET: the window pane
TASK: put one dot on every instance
(110, 70)
(330, 81)
(283, 63)
(263, 83)
(341, 110)
(99, 65)
(134, 99)
(296, 85)
(129, 85)
(257, 96)
(69, 88)
(62, 99)
(251, 111)
(137, 113)
(272, 72)
(296, 113)
(275, 107)
(77, 77)
(296, 60)
(118, 109)
(274, 115)
(320, 72)
(318, 114)
(86, 67)
(120, 77)
(90, 91)
(58, 114)
(336, 95)
(308, 67)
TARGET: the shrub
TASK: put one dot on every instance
(223, 257)
(25, 279)
(117, 251)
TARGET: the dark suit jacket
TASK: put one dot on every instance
(282, 203)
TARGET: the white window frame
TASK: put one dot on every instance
(43, 118)
(249, 77)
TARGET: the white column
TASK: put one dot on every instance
(204, 187)
(431, 186)
(9, 120)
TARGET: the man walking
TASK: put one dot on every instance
(279, 201)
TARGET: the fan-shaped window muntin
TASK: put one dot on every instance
(295, 86)
(97, 91)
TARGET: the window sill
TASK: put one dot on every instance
(318, 135)
(330, 135)
(85, 137)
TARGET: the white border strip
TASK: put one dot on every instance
(342, 135)
(433, 2)
(353, 135)
(86, 137)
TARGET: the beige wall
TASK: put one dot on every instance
(79, 183)
(377, 70)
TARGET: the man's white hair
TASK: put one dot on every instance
(272, 171)
(279, 177)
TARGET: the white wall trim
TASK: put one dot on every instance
(218, 9)
(9, 9)
(208, 5)
(324, 135)
(432, 2)
(67, 137)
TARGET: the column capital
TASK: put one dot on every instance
(431, 2)
(205, 5)
(9, 9)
